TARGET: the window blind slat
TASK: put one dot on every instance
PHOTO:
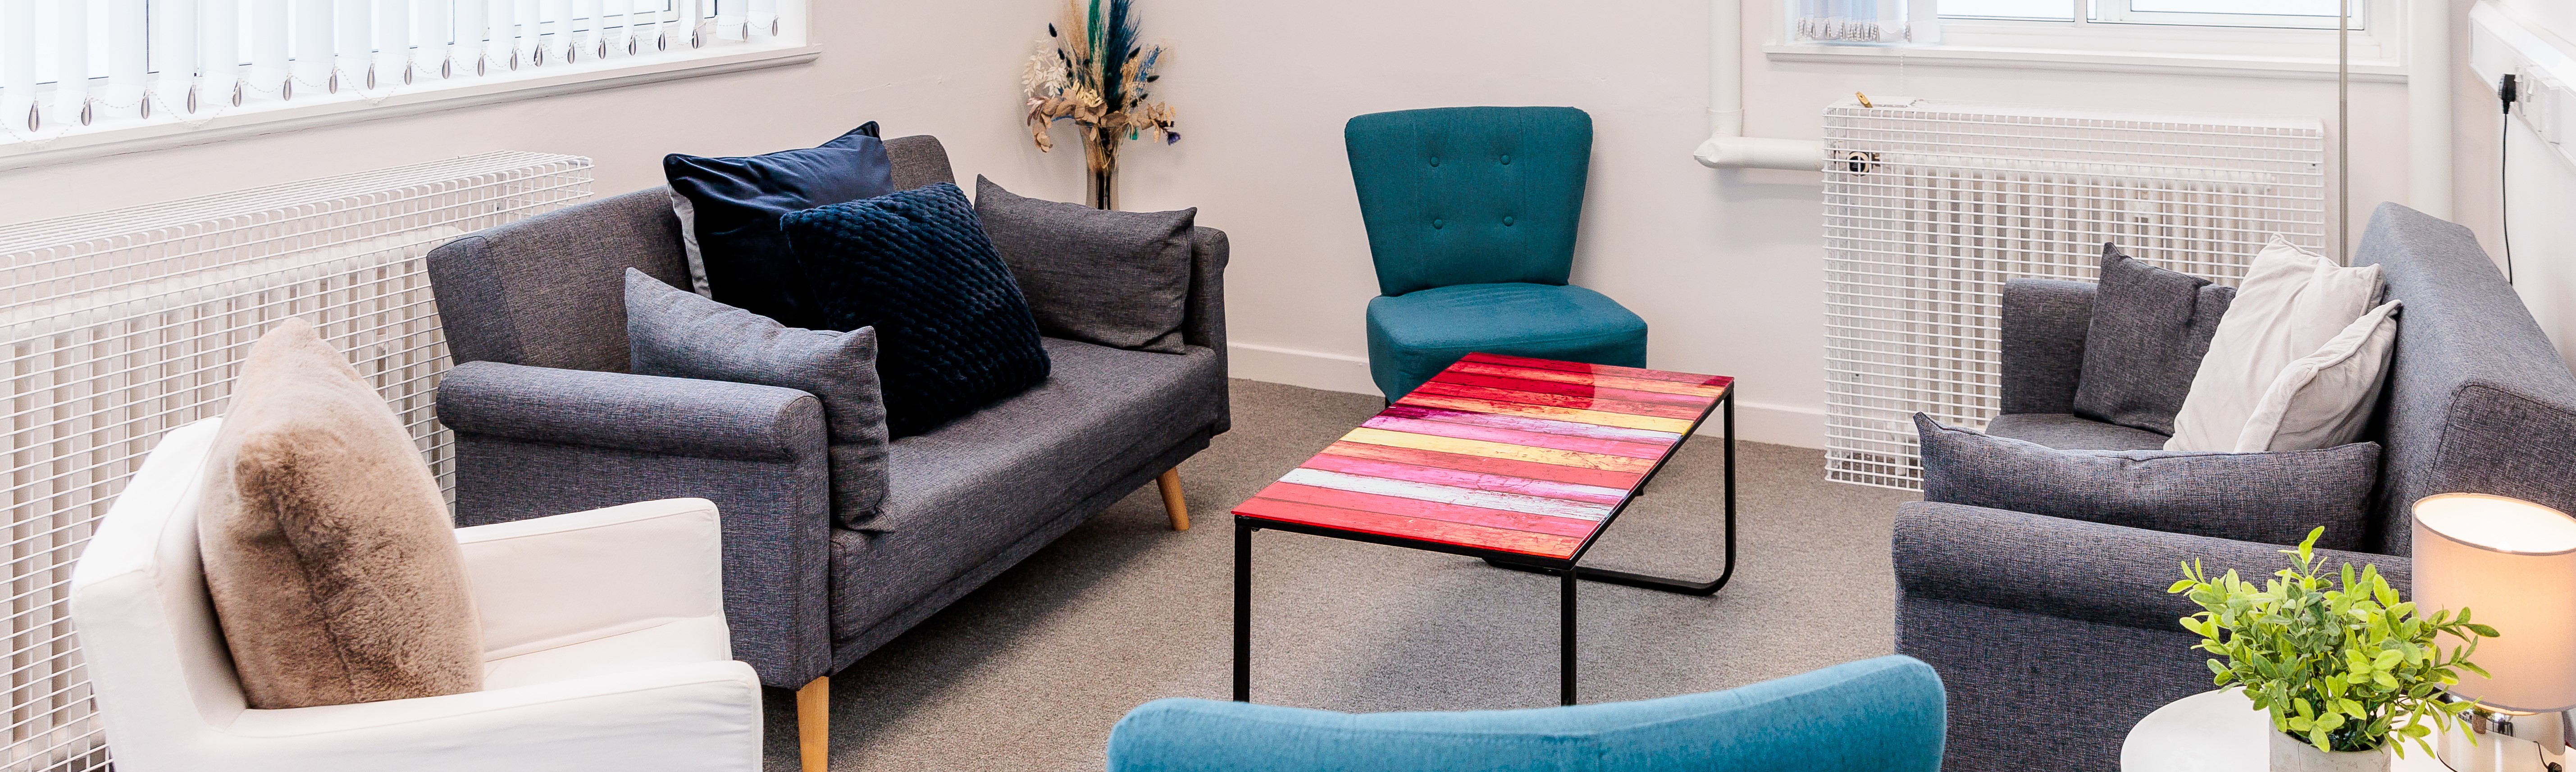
(430, 35)
(314, 30)
(219, 53)
(126, 59)
(524, 31)
(392, 41)
(764, 17)
(17, 63)
(588, 26)
(352, 52)
(613, 21)
(174, 51)
(71, 62)
(269, 49)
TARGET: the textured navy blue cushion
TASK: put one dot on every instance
(736, 203)
(953, 331)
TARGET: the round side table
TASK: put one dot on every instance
(2220, 731)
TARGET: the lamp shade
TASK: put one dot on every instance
(2512, 563)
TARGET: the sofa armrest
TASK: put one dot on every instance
(644, 413)
(533, 442)
(1204, 323)
(2073, 569)
(2044, 323)
(563, 579)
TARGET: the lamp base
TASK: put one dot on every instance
(2505, 742)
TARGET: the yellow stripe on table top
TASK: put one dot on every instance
(1502, 450)
(1592, 379)
(1577, 415)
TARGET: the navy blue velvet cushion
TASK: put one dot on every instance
(737, 203)
(953, 331)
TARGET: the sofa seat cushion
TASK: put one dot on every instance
(1414, 336)
(2069, 432)
(960, 493)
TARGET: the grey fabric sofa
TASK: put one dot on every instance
(2056, 636)
(548, 419)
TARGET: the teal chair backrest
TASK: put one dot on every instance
(1470, 195)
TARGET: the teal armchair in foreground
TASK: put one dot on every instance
(1877, 715)
(1471, 214)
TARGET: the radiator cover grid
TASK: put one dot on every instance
(1931, 206)
(119, 326)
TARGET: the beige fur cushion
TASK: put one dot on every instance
(328, 550)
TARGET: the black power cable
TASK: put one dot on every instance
(2507, 92)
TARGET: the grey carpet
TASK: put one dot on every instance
(1030, 672)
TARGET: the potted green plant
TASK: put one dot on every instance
(2348, 670)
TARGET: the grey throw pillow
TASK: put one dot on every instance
(676, 333)
(2272, 498)
(1114, 278)
(2150, 328)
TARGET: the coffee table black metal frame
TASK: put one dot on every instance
(1566, 569)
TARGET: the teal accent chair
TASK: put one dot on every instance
(1471, 214)
(1877, 715)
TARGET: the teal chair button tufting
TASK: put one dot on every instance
(1435, 224)
(1507, 221)
(1435, 160)
(1507, 159)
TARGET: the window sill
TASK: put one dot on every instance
(2289, 68)
(354, 107)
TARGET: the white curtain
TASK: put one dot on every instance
(1860, 21)
(69, 64)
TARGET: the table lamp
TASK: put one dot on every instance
(2513, 564)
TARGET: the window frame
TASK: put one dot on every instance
(2160, 41)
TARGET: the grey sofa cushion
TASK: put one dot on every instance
(2069, 432)
(2150, 328)
(1102, 412)
(676, 333)
(2264, 497)
(1113, 278)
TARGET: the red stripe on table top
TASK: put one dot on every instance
(1529, 424)
(1502, 519)
(1424, 529)
(1393, 470)
(1501, 466)
(1692, 401)
(1580, 367)
(1436, 386)
(1648, 450)
(1500, 407)
(1588, 379)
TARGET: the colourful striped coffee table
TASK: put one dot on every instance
(1522, 462)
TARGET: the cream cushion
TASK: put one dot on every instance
(2324, 399)
(2291, 303)
(328, 551)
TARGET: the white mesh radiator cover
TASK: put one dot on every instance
(1931, 206)
(121, 325)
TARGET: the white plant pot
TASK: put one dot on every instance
(2291, 754)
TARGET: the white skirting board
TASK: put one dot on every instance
(1760, 422)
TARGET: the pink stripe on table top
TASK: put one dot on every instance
(1447, 494)
(1466, 479)
(1579, 367)
(1519, 437)
(1606, 405)
(1693, 402)
(1465, 463)
(1461, 534)
(1528, 424)
(1501, 519)
(1587, 379)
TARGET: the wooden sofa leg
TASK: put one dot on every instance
(814, 724)
(1170, 482)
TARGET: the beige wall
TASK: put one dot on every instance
(1724, 265)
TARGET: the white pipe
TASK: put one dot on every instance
(2429, 81)
(1727, 147)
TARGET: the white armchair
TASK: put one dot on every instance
(604, 643)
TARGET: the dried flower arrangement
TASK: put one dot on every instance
(1092, 71)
